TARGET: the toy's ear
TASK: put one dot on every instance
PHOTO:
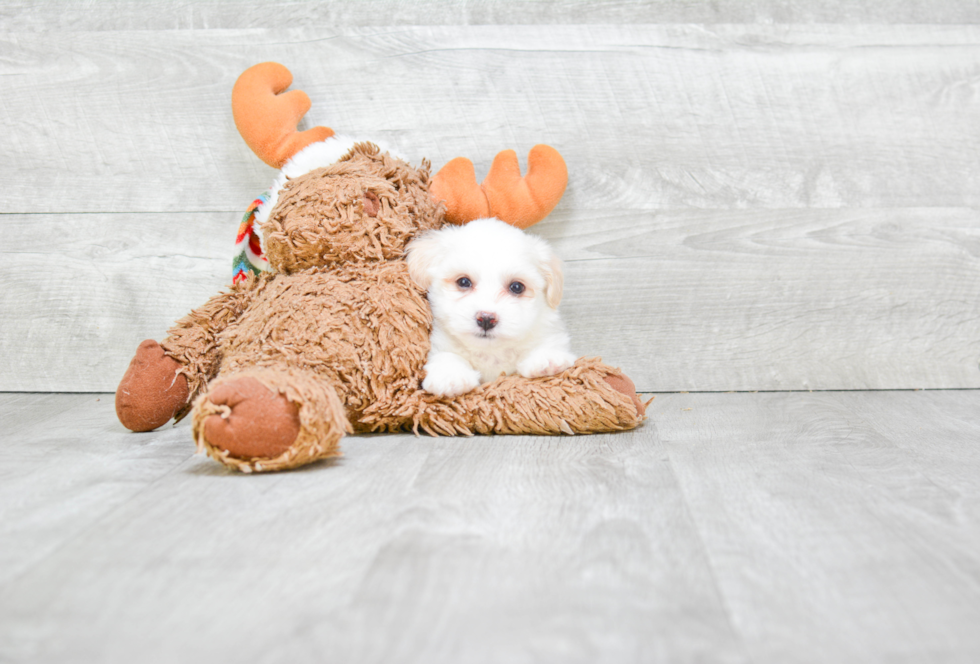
(267, 119)
(423, 253)
(520, 201)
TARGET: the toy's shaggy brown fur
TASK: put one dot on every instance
(338, 333)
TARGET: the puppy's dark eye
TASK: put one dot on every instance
(516, 287)
(464, 283)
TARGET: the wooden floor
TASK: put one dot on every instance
(770, 527)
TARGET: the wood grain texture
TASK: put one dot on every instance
(408, 549)
(80, 291)
(694, 300)
(776, 300)
(751, 206)
(758, 528)
(648, 117)
(64, 464)
(44, 15)
(840, 527)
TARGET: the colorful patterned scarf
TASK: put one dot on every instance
(249, 258)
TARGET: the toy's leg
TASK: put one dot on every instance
(269, 419)
(152, 391)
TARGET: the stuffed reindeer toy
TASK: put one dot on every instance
(326, 333)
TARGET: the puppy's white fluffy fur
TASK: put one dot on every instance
(494, 292)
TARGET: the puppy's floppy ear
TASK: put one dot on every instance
(423, 252)
(554, 278)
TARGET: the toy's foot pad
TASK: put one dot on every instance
(621, 383)
(152, 390)
(255, 422)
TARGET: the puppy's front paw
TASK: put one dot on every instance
(450, 379)
(545, 362)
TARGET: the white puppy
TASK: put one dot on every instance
(494, 293)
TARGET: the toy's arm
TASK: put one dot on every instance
(588, 397)
(193, 340)
(163, 379)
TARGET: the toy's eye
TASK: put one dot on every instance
(516, 287)
(464, 283)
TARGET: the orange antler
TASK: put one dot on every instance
(266, 119)
(504, 193)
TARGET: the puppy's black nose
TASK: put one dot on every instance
(486, 320)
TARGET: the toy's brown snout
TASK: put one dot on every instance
(371, 204)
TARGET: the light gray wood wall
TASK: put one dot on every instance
(763, 195)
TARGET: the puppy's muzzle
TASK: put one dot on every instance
(486, 320)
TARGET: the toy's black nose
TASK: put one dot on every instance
(486, 320)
